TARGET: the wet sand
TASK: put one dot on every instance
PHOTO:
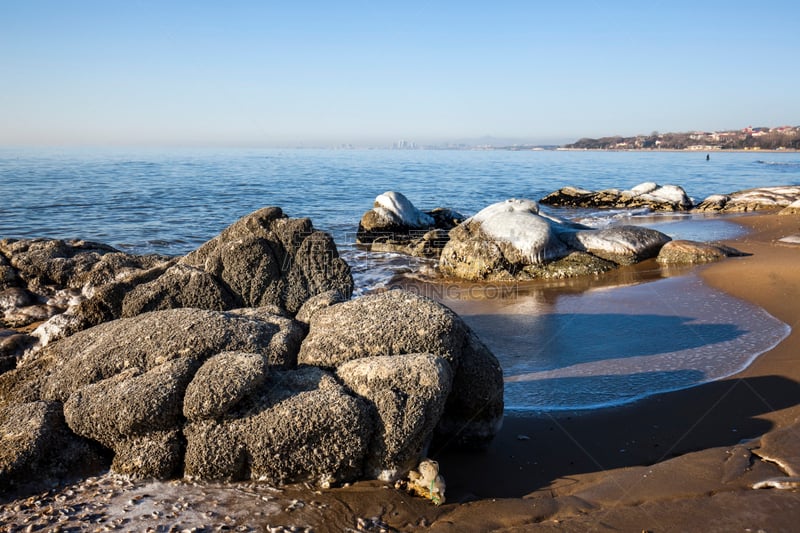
(680, 461)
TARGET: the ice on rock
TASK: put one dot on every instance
(394, 206)
(519, 223)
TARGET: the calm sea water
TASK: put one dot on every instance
(171, 201)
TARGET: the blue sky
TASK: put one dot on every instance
(268, 73)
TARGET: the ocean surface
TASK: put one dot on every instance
(171, 201)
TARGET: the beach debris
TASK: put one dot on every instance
(425, 482)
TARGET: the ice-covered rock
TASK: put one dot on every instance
(394, 224)
(515, 240)
(759, 199)
(649, 195)
(791, 209)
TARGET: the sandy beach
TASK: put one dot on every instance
(680, 461)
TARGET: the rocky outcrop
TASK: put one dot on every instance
(395, 225)
(515, 240)
(220, 394)
(762, 198)
(398, 323)
(681, 252)
(645, 195)
(263, 259)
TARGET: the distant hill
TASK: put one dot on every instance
(779, 138)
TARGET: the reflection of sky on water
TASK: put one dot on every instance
(614, 345)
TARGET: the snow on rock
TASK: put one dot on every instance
(761, 198)
(514, 240)
(518, 223)
(396, 208)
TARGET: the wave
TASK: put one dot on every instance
(789, 164)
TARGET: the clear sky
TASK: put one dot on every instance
(371, 72)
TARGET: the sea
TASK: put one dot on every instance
(600, 346)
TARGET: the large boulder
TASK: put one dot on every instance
(300, 425)
(398, 323)
(762, 198)
(623, 245)
(514, 240)
(408, 395)
(648, 195)
(267, 258)
(394, 224)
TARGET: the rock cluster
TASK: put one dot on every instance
(395, 225)
(196, 366)
(645, 195)
(515, 240)
(758, 199)
(263, 259)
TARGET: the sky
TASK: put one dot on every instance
(305, 73)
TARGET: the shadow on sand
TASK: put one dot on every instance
(531, 452)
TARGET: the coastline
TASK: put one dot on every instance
(568, 472)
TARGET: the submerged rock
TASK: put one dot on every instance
(395, 225)
(762, 198)
(648, 195)
(515, 240)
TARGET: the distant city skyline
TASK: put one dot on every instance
(251, 73)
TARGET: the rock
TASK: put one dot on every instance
(408, 394)
(623, 245)
(395, 225)
(180, 286)
(500, 240)
(762, 198)
(8, 275)
(77, 264)
(131, 403)
(147, 341)
(791, 209)
(12, 346)
(222, 382)
(649, 195)
(157, 454)
(36, 445)
(300, 426)
(474, 411)
(266, 258)
(397, 323)
(389, 323)
(317, 303)
(513, 240)
(691, 252)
